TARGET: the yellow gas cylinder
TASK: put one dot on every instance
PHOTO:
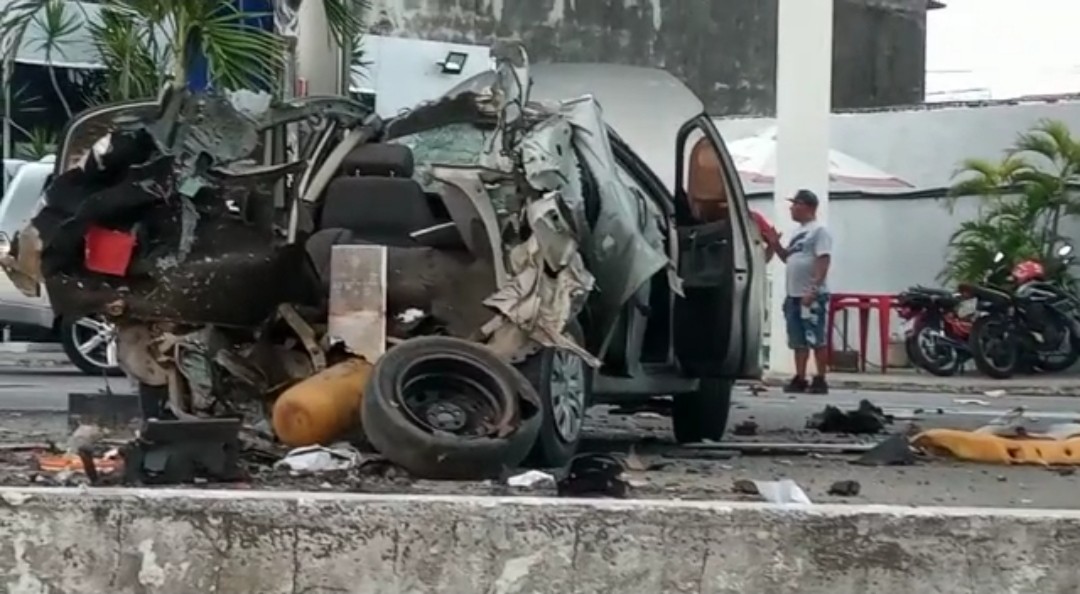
(320, 409)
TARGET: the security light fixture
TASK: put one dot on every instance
(454, 63)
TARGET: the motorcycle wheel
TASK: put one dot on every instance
(1059, 360)
(996, 352)
(942, 361)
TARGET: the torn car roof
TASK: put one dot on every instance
(629, 96)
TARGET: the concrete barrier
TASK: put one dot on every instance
(169, 541)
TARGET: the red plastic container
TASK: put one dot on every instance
(108, 251)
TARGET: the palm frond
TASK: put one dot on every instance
(15, 21)
(129, 52)
(346, 20)
(38, 144)
(58, 22)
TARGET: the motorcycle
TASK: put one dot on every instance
(1036, 325)
(936, 331)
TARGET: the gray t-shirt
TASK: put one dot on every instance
(809, 241)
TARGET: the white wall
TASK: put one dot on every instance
(886, 244)
(404, 72)
(924, 144)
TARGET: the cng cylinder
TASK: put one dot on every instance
(323, 407)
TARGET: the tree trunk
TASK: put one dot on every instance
(56, 86)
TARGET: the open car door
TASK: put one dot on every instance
(721, 261)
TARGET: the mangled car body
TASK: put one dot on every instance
(509, 217)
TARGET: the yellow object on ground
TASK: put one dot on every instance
(320, 409)
(993, 449)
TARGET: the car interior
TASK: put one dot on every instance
(706, 259)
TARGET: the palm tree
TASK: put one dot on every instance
(141, 40)
(1026, 197)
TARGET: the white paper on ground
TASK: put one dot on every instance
(317, 458)
(784, 492)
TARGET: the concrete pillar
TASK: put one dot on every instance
(320, 59)
(803, 101)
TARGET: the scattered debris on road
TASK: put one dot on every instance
(531, 479)
(894, 451)
(313, 459)
(66, 463)
(845, 488)
(783, 492)
(174, 452)
(1012, 438)
(745, 429)
(866, 419)
(745, 487)
(988, 448)
(971, 401)
(594, 475)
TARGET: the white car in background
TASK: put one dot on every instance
(88, 342)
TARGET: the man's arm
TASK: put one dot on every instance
(781, 252)
(772, 241)
(821, 270)
(823, 250)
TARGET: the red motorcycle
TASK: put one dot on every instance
(936, 330)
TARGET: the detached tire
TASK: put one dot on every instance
(703, 415)
(430, 404)
(564, 383)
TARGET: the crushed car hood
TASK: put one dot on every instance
(629, 96)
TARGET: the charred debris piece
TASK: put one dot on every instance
(867, 419)
(894, 451)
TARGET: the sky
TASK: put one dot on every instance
(1004, 48)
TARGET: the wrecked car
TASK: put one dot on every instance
(545, 211)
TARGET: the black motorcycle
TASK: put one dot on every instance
(1035, 326)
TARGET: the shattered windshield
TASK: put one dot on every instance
(453, 144)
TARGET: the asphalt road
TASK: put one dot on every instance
(33, 407)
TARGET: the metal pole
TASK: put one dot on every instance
(803, 101)
(5, 76)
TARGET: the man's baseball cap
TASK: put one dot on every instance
(805, 197)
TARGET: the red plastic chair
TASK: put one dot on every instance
(866, 303)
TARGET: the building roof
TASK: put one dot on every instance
(924, 144)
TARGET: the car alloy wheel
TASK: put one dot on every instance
(95, 341)
(567, 394)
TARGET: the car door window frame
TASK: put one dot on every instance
(642, 174)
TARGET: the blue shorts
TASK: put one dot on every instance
(806, 332)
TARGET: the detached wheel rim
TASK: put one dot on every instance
(445, 394)
(567, 391)
(95, 340)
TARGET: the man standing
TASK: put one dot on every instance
(807, 257)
